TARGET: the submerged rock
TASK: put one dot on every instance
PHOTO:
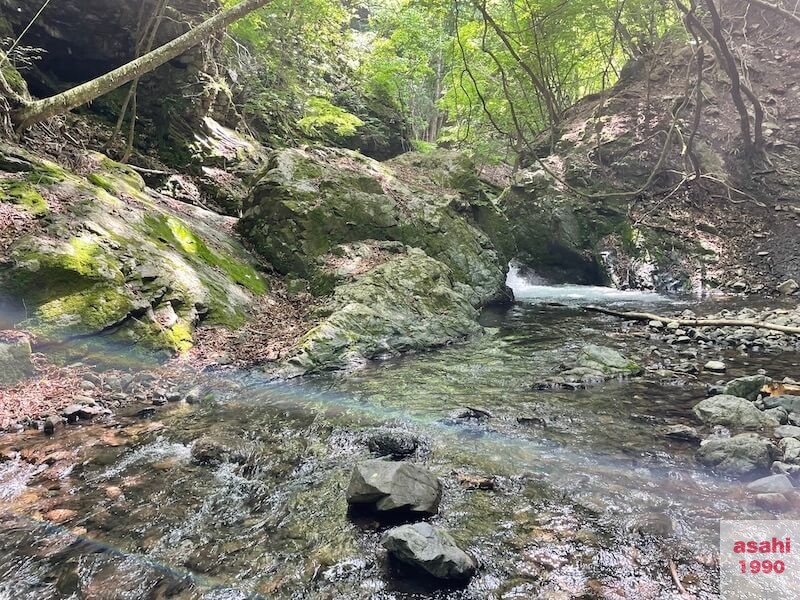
(430, 549)
(212, 450)
(386, 487)
(773, 484)
(731, 411)
(740, 455)
(593, 365)
(684, 433)
(15, 359)
(394, 443)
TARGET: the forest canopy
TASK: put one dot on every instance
(477, 74)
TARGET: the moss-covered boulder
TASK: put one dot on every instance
(410, 302)
(101, 254)
(308, 201)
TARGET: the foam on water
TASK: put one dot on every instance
(535, 290)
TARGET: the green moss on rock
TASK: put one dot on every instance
(409, 303)
(23, 194)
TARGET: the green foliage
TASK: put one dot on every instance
(321, 115)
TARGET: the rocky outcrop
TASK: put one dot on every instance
(99, 254)
(394, 487)
(411, 302)
(406, 250)
(308, 202)
(429, 548)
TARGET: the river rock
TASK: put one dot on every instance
(213, 450)
(593, 365)
(52, 423)
(684, 433)
(790, 286)
(787, 431)
(385, 486)
(715, 366)
(773, 502)
(773, 484)
(76, 412)
(395, 443)
(15, 359)
(790, 447)
(429, 548)
(790, 403)
(732, 412)
(747, 387)
(740, 455)
(778, 413)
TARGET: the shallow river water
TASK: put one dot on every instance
(590, 500)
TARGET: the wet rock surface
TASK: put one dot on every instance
(593, 365)
(392, 487)
(429, 548)
(740, 455)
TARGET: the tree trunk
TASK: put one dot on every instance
(40, 110)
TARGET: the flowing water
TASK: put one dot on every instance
(590, 500)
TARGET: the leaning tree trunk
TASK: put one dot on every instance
(33, 112)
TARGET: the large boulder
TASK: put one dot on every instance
(741, 455)
(430, 549)
(411, 302)
(103, 255)
(308, 202)
(731, 411)
(15, 358)
(394, 487)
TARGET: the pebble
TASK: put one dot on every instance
(715, 366)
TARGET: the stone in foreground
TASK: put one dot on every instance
(429, 548)
(385, 487)
(740, 455)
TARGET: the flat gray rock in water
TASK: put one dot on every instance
(429, 548)
(393, 486)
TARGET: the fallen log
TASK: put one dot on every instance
(640, 316)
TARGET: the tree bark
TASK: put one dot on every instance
(637, 316)
(40, 110)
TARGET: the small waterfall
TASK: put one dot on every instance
(530, 287)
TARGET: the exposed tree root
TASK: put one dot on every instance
(637, 316)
